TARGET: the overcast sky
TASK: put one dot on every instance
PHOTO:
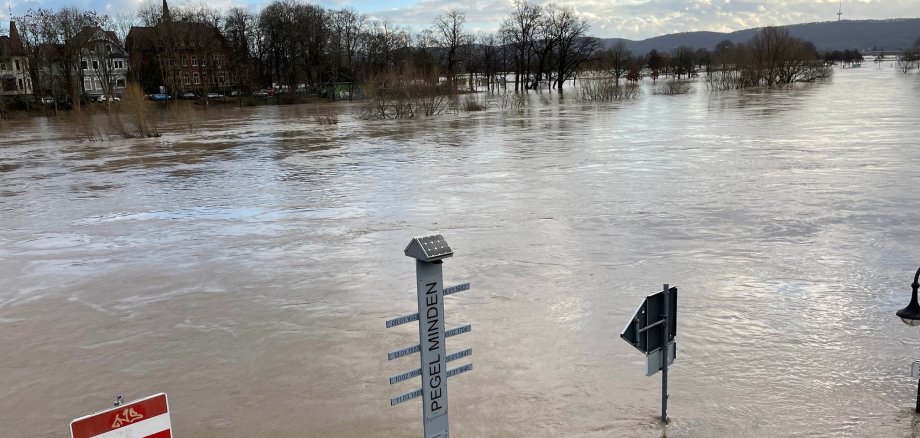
(633, 19)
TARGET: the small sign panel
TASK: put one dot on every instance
(653, 359)
(414, 317)
(405, 397)
(144, 418)
(458, 288)
(412, 349)
(418, 371)
(915, 369)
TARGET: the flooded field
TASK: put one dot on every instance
(247, 268)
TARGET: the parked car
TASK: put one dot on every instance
(105, 98)
(188, 96)
(47, 100)
(215, 95)
(260, 93)
(159, 97)
(235, 93)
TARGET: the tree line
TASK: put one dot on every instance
(772, 57)
(292, 44)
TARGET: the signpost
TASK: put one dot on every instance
(143, 418)
(652, 331)
(429, 251)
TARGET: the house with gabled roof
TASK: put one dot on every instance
(14, 65)
(104, 63)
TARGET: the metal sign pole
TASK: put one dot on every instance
(652, 331)
(917, 409)
(432, 355)
(664, 356)
(429, 251)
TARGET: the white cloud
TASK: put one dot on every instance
(633, 19)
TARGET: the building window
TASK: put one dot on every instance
(220, 79)
(83, 64)
(195, 78)
(87, 85)
(185, 78)
(195, 60)
(119, 63)
(95, 64)
(120, 83)
(20, 85)
(17, 64)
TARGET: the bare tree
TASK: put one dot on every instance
(572, 45)
(618, 59)
(122, 22)
(34, 31)
(349, 25)
(682, 61)
(150, 13)
(424, 56)
(703, 59)
(275, 23)
(772, 57)
(655, 63)
(239, 29)
(453, 40)
(782, 59)
(519, 31)
(491, 59)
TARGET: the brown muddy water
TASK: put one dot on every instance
(247, 268)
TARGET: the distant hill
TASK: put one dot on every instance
(829, 35)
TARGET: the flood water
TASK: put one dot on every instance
(246, 269)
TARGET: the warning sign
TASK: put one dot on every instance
(144, 418)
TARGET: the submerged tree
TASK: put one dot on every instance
(519, 31)
(454, 42)
(572, 46)
(772, 57)
(617, 59)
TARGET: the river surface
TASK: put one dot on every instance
(247, 268)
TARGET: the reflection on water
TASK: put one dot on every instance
(246, 268)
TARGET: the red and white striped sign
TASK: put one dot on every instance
(144, 418)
